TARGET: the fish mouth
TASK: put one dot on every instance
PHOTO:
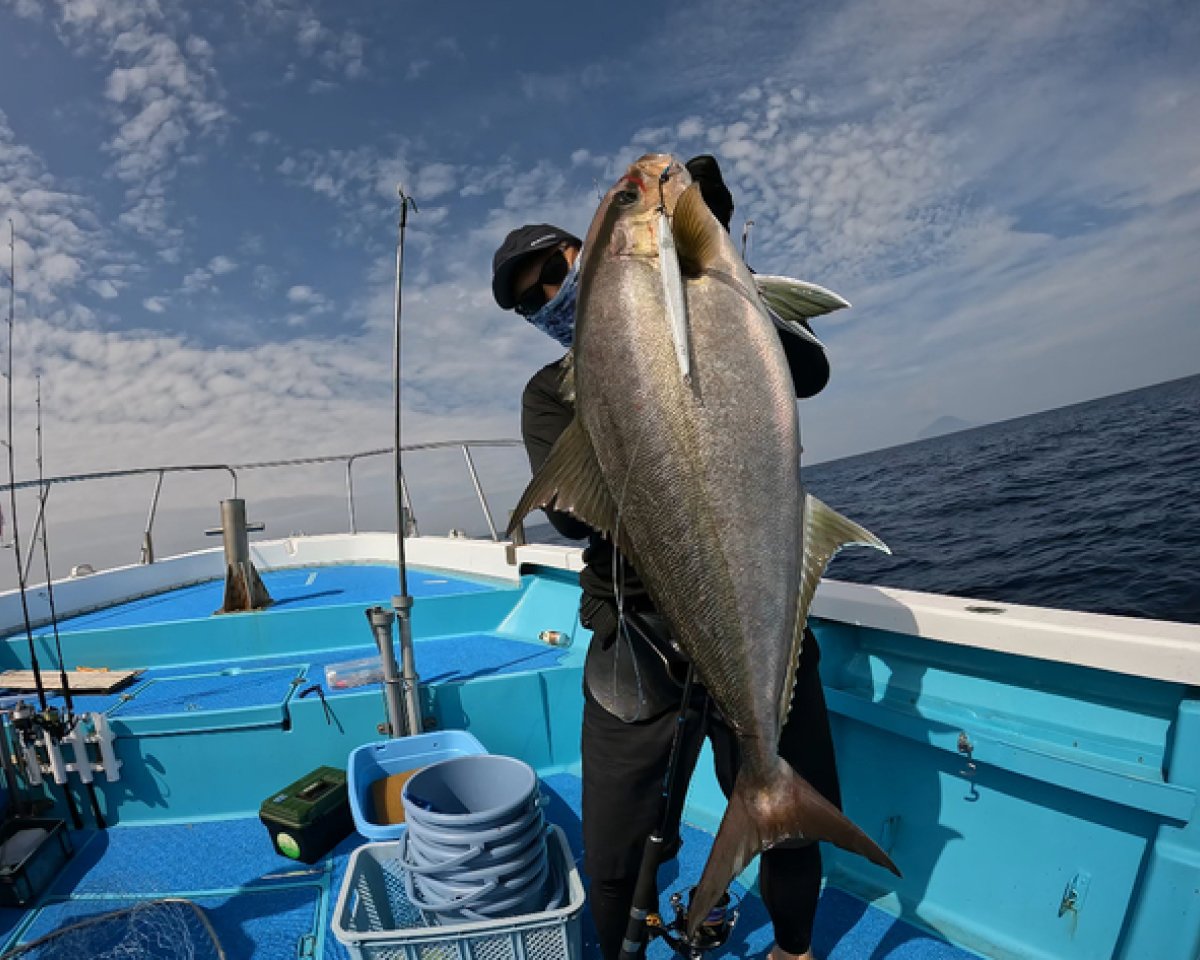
(651, 166)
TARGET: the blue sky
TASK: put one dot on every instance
(204, 199)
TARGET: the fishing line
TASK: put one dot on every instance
(12, 469)
(43, 495)
(676, 318)
(619, 576)
(72, 720)
(29, 731)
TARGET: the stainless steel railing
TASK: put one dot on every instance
(350, 459)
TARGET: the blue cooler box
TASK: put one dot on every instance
(375, 761)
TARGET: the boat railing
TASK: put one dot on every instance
(47, 484)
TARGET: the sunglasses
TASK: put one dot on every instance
(554, 271)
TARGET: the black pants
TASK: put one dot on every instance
(624, 765)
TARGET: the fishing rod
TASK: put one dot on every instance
(645, 920)
(71, 719)
(12, 468)
(746, 238)
(26, 721)
(402, 602)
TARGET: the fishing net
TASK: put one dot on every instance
(168, 929)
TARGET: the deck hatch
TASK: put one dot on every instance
(230, 695)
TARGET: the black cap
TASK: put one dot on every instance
(516, 247)
(706, 172)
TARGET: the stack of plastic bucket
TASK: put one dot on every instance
(475, 847)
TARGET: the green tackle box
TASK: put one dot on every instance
(310, 817)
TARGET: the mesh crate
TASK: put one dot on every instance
(374, 919)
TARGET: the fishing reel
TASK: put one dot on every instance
(27, 722)
(54, 723)
(712, 934)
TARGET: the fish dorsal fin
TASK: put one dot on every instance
(570, 481)
(797, 300)
(697, 232)
(825, 532)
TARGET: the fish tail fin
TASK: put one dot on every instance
(764, 811)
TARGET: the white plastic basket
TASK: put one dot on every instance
(374, 919)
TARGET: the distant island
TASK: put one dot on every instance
(943, 425)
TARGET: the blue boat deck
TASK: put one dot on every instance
(263, 905)
(1039, 809)
(298, 589)
(235, 693)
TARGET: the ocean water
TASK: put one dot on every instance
(1091, 507)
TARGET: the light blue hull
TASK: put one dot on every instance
(1038, 809)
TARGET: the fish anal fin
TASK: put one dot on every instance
(570, 480)
(825, 532)
(766, 809)
(698, 234)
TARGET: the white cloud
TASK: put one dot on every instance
(164, 97)
(303, 294)
(58, 240)
(266, 279)
(1011, 211)
(309, 299)
(105, 288)
(198, 280)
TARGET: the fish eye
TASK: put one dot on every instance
(627, 197)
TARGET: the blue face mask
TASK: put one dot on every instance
(557, 318)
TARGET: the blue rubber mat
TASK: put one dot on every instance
(464, 657)
(267, 922)
(265, 681)
(156, 860)
(290, 589)
(846, 927)
(264, 906)
(209, 692)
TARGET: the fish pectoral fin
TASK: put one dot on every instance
(825, 532)
(698, 234)
(797, 300)
(764, 811)
(570, 481)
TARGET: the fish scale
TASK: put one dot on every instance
(697, 479)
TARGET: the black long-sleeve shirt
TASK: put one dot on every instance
(545, 414)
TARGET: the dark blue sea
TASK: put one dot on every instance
(1090, 507)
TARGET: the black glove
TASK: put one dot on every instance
(707, 173)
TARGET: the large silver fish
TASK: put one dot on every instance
(694, 470)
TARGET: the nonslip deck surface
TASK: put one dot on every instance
(304, 587)
(263, 906)
(271, 680)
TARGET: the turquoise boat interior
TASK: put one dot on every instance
(1033, 773)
